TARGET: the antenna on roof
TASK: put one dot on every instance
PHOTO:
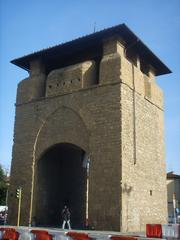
(94, 27)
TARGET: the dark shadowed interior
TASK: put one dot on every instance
(61, 180)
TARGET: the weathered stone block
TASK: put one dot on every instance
(30, 89)
(71, 78)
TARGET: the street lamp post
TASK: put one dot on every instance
(6, 209)
(174, 206)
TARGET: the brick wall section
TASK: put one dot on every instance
(26, 127)
(71, 78)
(144, 172)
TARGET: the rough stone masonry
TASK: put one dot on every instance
(94, 99)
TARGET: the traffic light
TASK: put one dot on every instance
(18, 192)
(19, 195)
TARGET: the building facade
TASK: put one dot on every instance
(173, 188)
(92, 99)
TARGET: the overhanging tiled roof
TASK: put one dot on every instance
(171, 175)
(72, 48)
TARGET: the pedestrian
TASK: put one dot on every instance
(66, 217)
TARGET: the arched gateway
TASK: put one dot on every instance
(94, 96)
(60, 171)
(61, 180)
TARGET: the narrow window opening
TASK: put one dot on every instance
(144, 68)
(131, 56)
(97, 61)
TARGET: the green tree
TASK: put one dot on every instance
(3, 187)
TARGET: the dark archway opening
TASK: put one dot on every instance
(61, 180)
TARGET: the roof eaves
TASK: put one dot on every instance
(121, 29)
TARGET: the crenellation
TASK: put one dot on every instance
(32, 87)
(36, 68)
(151, 73)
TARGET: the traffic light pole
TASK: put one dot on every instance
(19, 206)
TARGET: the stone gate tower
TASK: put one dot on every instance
(91, 99)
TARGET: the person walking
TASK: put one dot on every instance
(66, 217)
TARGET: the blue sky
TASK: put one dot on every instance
(27, 26)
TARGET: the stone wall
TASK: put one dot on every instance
(143, 168)
(71, 78)
(87, 118)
